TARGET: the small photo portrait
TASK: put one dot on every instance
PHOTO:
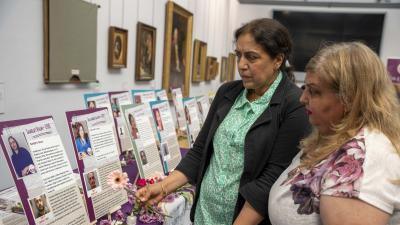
(91, 104)
(165, 150)
(20, 155)
(200, 107)
(40, 206)
(143, 157)
(92, 182)
(138, 99)
(115, 107)
(158, 119)
(133, 125)
(187, 115)
(82, 140)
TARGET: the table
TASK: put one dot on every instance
(178, 209)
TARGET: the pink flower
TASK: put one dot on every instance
(105, 222)
(117, 180)
(141, 182)
(343, 176)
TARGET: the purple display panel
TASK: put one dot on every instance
(41, 171)
(81, 167)
(19, 183)
(91, 117)
(393, 67)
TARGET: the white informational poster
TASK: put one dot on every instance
(96, 152)
(181, 125)
(162, 95)
(42, 172)
(192, 118)
(98, 100)
(11, 210)
(169, 145)
(101, 100)
(203, 105)
(117, 100)
(143, 96)
(145, 143)
(177, 99)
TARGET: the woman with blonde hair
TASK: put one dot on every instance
(348, 169)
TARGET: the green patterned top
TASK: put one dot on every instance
(220, 185)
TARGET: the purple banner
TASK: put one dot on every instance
(393, 67)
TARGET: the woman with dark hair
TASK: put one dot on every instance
(134, 129)
(21, 159)
(82, 141)
(249, 137)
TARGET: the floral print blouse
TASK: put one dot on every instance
(363, 168)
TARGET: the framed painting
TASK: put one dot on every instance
(145, 52)
(117, 47)
(199, 61)
(211, 68)
(231, 67)
(177, 48)
(215, 69)
(224, 69)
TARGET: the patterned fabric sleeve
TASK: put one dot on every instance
(343, 170)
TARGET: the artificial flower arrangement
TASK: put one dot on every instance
(143, 211)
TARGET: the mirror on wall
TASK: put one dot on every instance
(70, 41)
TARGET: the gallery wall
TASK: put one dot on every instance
(390, 36)
(21, 53)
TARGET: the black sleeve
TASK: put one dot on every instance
(293, 128)
(190, 164)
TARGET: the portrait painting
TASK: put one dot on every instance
(199, 61)
(231, 67)
(212, 68)
(177, 48)
(117, 47)
(145, 52)
(224, 69)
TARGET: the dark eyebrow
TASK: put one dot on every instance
(244, 52)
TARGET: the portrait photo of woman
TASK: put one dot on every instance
(21, 159)
(82, 141)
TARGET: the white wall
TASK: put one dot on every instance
(391, 33)
(21, 54)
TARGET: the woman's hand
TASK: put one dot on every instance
(154, 193)
(30, 169)
(25, 171)
(151, 194)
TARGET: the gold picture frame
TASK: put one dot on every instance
(117, 47)
(177, 48)
(224, 69)
(199, 61)
(145, 52)
(231, 67)
(212, 68)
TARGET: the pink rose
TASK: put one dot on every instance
(141, 182)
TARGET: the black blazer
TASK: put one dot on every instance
(270, 144)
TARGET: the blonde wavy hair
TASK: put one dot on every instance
(363, 85)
